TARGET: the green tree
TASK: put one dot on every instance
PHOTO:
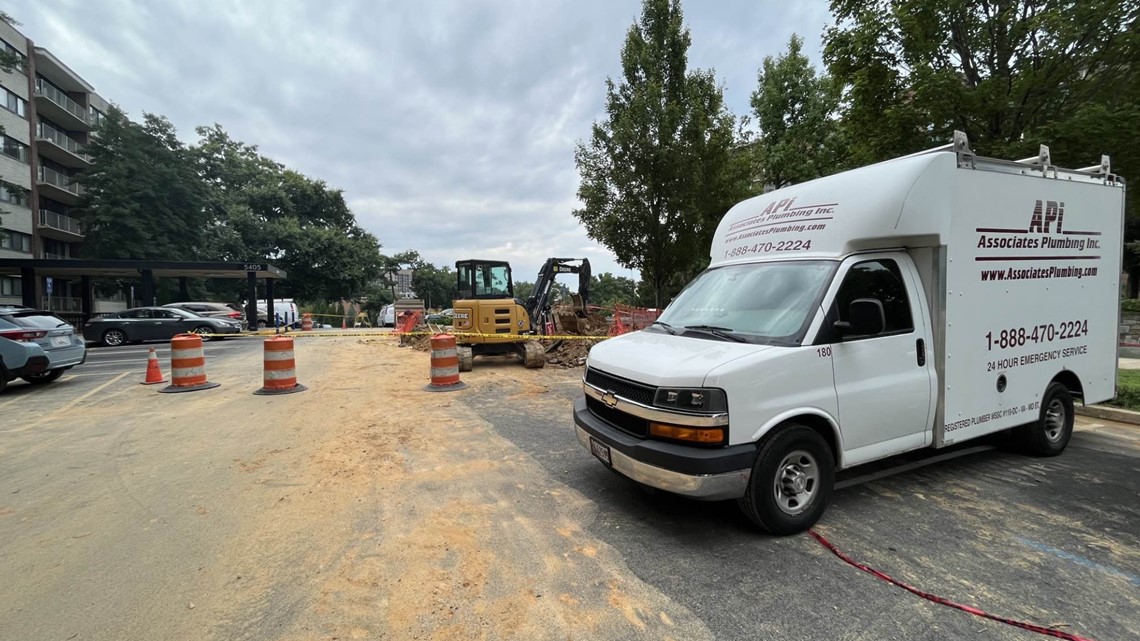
(1007, 72)
(660, 170)
(797, 114)
(523, 289)
(260, 210)
(435, 286)
(608, 290)
(142, 196)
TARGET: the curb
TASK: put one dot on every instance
(1109, 413)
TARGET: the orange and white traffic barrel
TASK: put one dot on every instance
(280, 367)
(187, 365)
(306, 322)
(444, 365)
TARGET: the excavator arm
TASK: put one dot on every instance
(538, 304)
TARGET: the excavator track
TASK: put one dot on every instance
(466, 357)
(532, 354)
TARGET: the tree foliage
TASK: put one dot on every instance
(660, 170)
(142, 197)
(435, 286)
(148, 196)
(1007, 72)
(796, 111)
(608, 290)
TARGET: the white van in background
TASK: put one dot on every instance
(915, 303)
(285, 313)
(387, 316)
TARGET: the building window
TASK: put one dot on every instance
(10, 286)
(13, 194)
(21, 59)
(15, 241)
(14, 103)
(97, 117)
(15, 149)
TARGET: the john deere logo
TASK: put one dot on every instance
(609, 399)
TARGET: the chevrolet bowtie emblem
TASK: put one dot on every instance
(609, 399)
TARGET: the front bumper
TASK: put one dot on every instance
(700, 473)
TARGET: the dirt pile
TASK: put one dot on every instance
(568, 353)
(594, 324)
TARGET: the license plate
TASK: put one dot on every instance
(600, 450)
(60, 341)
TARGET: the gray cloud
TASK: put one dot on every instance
(449, 124)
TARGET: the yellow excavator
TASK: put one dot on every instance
(496, 322)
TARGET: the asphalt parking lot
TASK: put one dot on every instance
(1053, 541)
(107, 367)
(367, 508)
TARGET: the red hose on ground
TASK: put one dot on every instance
(1032, 627)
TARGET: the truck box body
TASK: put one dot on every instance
(995, 278)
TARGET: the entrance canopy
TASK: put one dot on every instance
(31, 269)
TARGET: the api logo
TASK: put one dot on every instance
(1045, 213)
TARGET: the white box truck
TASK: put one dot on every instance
(915, 303)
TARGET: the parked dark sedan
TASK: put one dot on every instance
(153, 323)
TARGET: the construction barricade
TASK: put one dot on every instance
(444, 365)
(630, 319)
(280, 367)
(187, 365)
(306, 322)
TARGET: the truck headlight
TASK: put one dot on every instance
(692, 399)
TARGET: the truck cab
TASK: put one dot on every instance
(860, 316)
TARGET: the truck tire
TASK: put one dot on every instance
(1050, 433)
(791, 481)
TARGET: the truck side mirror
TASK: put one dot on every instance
(867, 318)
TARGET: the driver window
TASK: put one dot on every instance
(882, 280)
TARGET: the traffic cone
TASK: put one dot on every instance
(153, 373)
(342, 324)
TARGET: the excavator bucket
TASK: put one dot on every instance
(572, 320)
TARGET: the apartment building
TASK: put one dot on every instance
(47, 112)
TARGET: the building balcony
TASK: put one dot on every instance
(59, 107)
(60, 227)
(60, 147)
(52, 256)
(58, 186)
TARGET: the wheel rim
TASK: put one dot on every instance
(797, 482)
(202, 331)
(1055, 420)
(114, 337)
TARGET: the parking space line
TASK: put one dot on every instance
(67, 405)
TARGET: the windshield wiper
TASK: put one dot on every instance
(719, 332)
(667, 326)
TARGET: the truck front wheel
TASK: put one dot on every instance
(791, 481)
(1050, 433)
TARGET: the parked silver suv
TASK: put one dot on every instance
(64, 348)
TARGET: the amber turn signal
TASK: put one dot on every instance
(692, 434)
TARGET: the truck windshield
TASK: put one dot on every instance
(759, 302)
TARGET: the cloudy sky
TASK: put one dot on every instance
(449, 124)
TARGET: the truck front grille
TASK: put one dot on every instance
(624, 422)
(628, 390)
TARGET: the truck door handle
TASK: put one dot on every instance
(921, 346)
